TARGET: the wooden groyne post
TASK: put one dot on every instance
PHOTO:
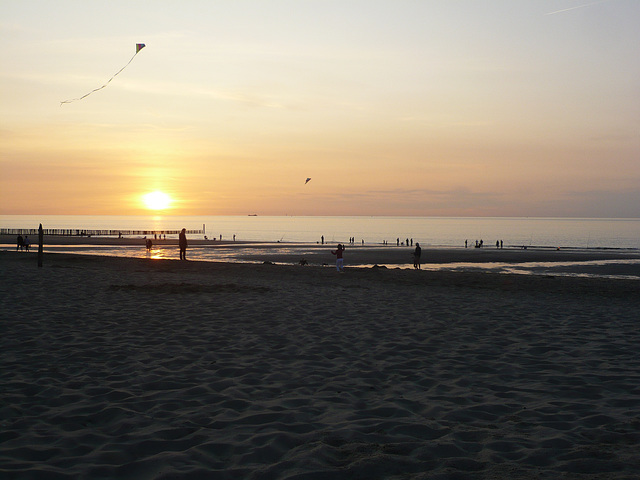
(67, 232)
(40, 245)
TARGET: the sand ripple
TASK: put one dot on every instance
(147, 370)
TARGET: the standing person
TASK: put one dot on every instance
(26, 243)
(20, 243)
(339, 260)
(182, 243)
(417, 253)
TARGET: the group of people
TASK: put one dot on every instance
(23, 243)
(399, 242)
(352, 240)
(182, 244)
(480, 244)
(338, 252)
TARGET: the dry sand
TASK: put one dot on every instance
(141, 369)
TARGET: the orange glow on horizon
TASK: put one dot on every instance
(527, 111)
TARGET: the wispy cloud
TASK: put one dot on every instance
(576, 7)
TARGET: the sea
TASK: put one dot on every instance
(615, 234)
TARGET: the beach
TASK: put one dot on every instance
(136, 368)
(597, 262)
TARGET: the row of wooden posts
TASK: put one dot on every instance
(67, 232)
(88, 233)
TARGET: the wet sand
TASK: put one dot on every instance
(136, 368)
(355, 255)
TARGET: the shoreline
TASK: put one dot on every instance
(466, 277)
(10, 240)
(613, 263)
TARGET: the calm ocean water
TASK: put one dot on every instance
(431, 231)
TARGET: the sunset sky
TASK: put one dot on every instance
(423, 107)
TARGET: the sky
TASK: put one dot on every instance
(403, 107)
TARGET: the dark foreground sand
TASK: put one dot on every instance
(141, 369)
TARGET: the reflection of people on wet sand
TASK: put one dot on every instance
(416, 256)
(182, 243)
(339, 261)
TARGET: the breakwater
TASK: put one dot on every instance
(71, 232)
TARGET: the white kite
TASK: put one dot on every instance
(139, 46)
(307, 180)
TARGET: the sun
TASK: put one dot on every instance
(156, 200)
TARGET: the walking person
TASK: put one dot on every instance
(339, 260)
(182, 243)
(417, 253)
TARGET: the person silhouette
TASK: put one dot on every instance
(417, 253)
(182, 243)
(339, 260)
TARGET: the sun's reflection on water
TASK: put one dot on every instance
(292, 254)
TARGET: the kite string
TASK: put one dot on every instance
(100, 88)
